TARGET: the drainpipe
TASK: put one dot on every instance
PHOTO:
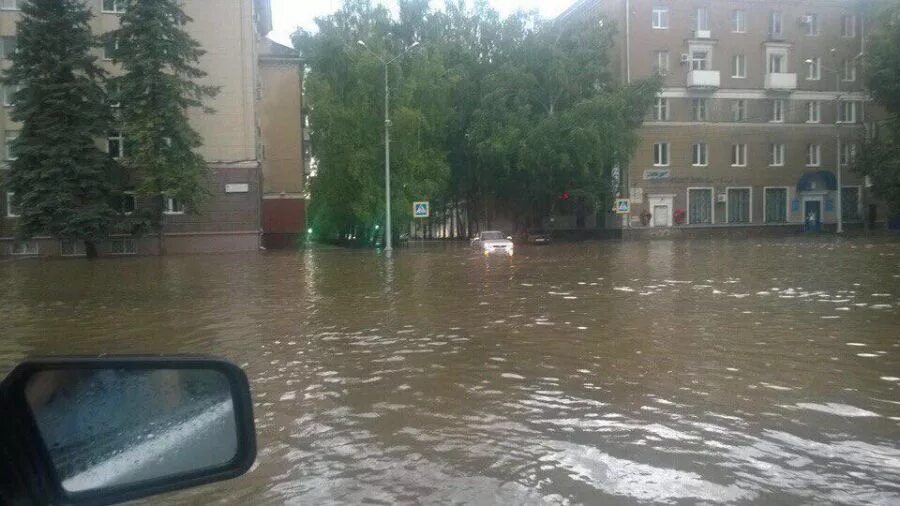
(624, 173)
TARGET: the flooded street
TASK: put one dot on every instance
(665, 371)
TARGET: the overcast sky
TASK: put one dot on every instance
(289, 14)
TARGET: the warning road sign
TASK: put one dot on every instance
(421, 210)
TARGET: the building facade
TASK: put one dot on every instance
(760, 115)
(234, 140)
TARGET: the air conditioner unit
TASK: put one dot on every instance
(722, 197)
(685, 57)
(702, 34)
(806, 20)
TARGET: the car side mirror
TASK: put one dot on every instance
(114, 429)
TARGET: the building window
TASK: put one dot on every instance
(738, 205)
(813, 111)
(776, 19)
(122, 247)
(116, 6)
(8, 47)
(125, 203)
(702, 19)
(661, 154)
(700, 206)
(699, 108)
(700, 60)
(777, 110)
(8, 151)
(72, 248)
(661, 110)
(776, 205)
(662, 62)
(700, 155)
(738, 155)
(848, 70)
(848, 26)
(776, 155)
(173, 206)
(12, 210)
(110, 45)
(9, 94)
(848, 154)
(739, 21)
(24, 248)
(776, 63)
(739, 110)
(850, 203)
(739, 66)
(847, 112)
(811, 22)
(660, 18)
(113, 91)
(115, 145)
(814, 69)
(813, 155)
(11, 5)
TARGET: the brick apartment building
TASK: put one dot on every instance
(252, 142)
(761, 101)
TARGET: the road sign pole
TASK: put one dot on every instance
(387, 162)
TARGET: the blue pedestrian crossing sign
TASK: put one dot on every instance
(421, 210)
(623, 206)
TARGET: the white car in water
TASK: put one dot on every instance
(493, 241)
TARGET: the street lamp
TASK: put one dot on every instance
(837, 135)
(387, 137)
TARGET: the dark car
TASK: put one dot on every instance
(538, 236)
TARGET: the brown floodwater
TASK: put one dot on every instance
(604, 372)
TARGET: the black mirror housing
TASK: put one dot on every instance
(103, 430)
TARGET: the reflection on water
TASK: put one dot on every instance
(663, 371)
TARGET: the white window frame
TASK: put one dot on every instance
(118, 136)
(661, 109)
(847, 111)
(782, 63)
(813, 155)
(9, 137)
(859, 203)
(739, 110)
(8, 92)
(4, 53)
(129, 246)
(778, 105)
(776, 20)
(739, 66)
(814, 111)
(699, 109)
(776, 154)
(728, 207)
(712, 204)
(704, 63)
(173, 207)
(787, 203)
(701, 23)
(133, 196)
(848, 71)
(739, 21)
(660, 18)
(662, 61)
(847, 154)
(812, 29)
(31, 248)
(660, 148)
(741, 150)
(9, 206)
(11, 5)
(118, 7)
(115, 42)
(75, 247)
(700, 154)
(851, 32)
(814, 69)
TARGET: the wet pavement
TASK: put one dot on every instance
(606, 372)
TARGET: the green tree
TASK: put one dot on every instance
(59, 176)
(880, 157)
(159, 84)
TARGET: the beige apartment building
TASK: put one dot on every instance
(761, 112)
(252, 146)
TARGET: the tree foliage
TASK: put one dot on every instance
(880, 157)
(502, 115)
(159, 84)
(60, 177)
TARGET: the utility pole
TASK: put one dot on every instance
(387, 139)
(837, 135)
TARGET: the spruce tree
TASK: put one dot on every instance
(158, 86)
(59, 176)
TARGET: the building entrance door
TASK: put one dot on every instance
(661, 210)
(812, 215)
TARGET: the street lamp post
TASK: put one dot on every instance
(837, 135)
(387, 139)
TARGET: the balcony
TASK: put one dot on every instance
(703, 79)
(702, 34)
(783, 82)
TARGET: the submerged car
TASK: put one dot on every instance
(493, 241)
